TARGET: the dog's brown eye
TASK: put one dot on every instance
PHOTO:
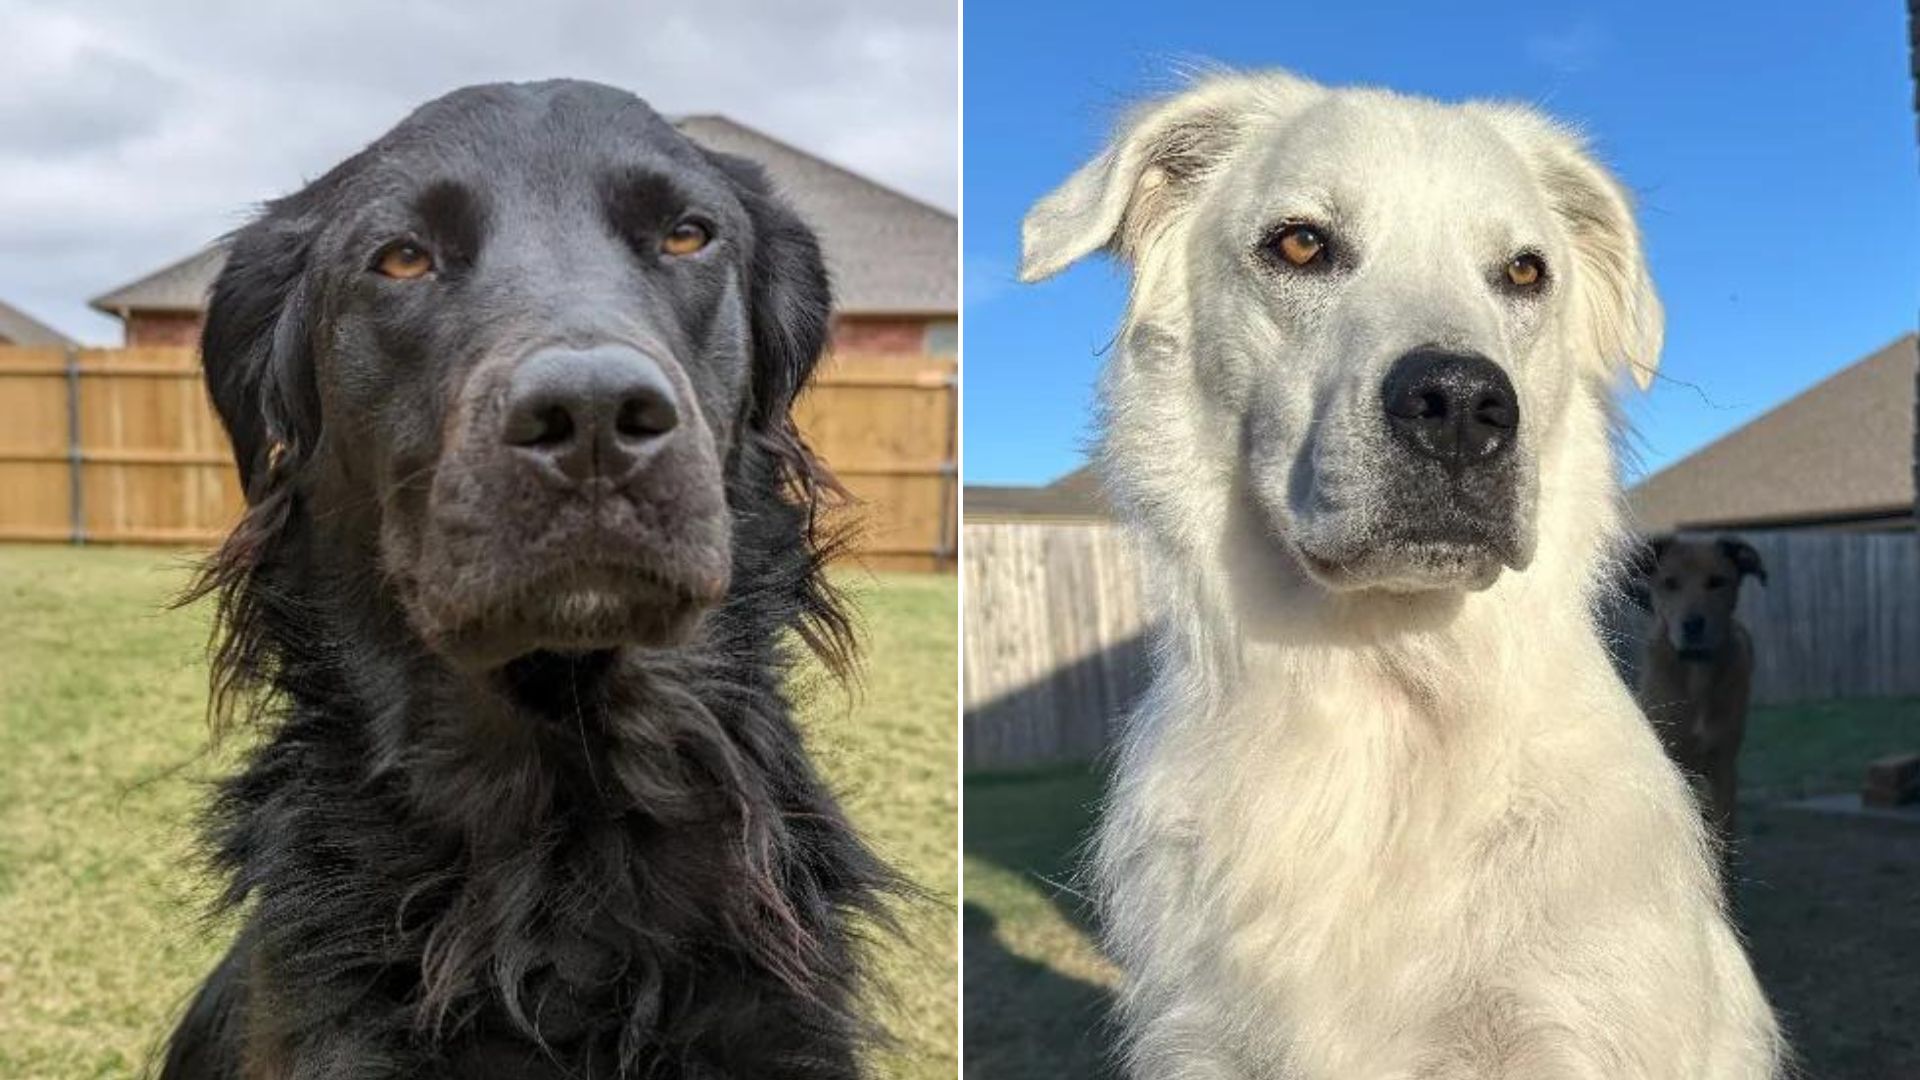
(1716, 582)
(404, 262)
(1526, 271)
(1300, 245)
(686, 238)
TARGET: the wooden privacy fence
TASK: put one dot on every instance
(889, 428)
(114, 445)
(1055, 654)
(1053, 643)
(121, 446)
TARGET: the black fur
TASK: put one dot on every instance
(609, 863)
(1744, 558)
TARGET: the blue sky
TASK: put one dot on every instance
(1771, 147)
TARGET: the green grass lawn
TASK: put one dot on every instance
(102, 762)
(1831, 907)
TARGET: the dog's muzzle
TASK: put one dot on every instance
(1447, 510)
(1454, 420)
(1691, 642)
(581, 507)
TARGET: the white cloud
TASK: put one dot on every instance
(131, 133)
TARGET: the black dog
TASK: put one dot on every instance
(528, 523)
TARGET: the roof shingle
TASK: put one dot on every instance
(888, 253)
(1076, 496)
(178, 286)
(1841, 448)
(19, 328)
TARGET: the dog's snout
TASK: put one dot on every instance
(1693, 628)
(590, 413)
(1458, 409)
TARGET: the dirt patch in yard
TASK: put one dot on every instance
(1831, 909)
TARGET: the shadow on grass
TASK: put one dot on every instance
(1038, 995)
(1025, 1019)
(1830, 908)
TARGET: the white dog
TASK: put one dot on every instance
(1387, 812)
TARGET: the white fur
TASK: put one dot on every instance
(1382, 829)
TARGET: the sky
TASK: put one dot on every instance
(1771, 148)
(132, 133)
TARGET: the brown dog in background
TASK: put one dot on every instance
(1697, 668)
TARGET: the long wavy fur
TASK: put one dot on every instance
(662, 886)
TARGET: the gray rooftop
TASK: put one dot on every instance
(889, 254)
(19, 328)
(1073, 497)
(179, 286)
(1842, 448)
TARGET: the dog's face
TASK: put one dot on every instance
(1693, 586)
(524, 331)
(1380, 305)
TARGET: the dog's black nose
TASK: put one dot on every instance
(590, 413)
(1693, 628)
(1457, 409)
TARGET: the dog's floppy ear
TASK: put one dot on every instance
(1744, 558)
(1157, 159)
(1647, 558)
(788, 292)
(1614, 291)
(1642, 565)
(257, 352)
(791, 301)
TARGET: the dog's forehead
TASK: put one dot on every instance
(561, 127)
(1695, 558)
(1375, 149)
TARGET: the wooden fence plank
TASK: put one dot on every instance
(1053, 644)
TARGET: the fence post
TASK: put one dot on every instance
(944, 549)
(76, 457)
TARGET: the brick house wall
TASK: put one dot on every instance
(894, 335)
(163, 328)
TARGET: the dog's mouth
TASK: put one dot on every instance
(1410, 567)
(1465, 558)
(583, 608)
(1354, 520)
(503, 561)
(591, 593)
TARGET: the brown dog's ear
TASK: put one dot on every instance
(1745, 559)
(1641, 566)
(1651, 553)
